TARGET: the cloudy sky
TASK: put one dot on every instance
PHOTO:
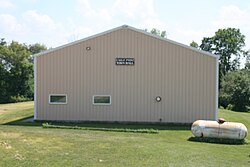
(56, 22)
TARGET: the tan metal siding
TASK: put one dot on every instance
(185, 79)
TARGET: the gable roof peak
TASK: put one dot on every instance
(130, 28)
(125, 26)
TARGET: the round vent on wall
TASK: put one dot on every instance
(158, 98)
(88, 48)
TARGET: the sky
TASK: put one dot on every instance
(57, 22)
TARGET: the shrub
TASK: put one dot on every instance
(230, 107)
(235, 90)
(18, 98)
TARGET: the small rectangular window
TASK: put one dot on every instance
(102, 100)
(57, 99)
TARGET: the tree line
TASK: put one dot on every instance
(16, 70)
(17, 78)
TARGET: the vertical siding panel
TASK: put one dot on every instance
(67, 67)
(189, 83)
(103, 76)
(77, 67)
(177, 100)
(192, 86)
(75, 88)
(170, 109)
(181, 84)
(72, 82)
(46, 86)
(148, 76)
(200, 96)
(85, 91)
(156, 81)
(125, 81)
(43, 87)
(166, 83)
(126, 84)
(85, 98)
(163, 72)
(175, 84)
(131, 71)
(112, 77)
(80, 84)
(197, 97)
(139, 62)
(205, 86)
(198, 114)
(114, 80)
(40, 110)
(183, 79)
(98, 78)
(200, 86)
(98, 58)
(63, 83)
(106, 60)
(53, 68)
(56, 87)
(90, 66)
(169, 87)
(121, 73)
(136, 77)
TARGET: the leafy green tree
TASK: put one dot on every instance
(3, 77)
(247, 59)
(235, 91)
(21, 70)
(229, 44)
(16, 71)
(194, 44)
(4, 72)
(3, 42)
(158, 32)
(36, 48)
(247, 66)
(234, 84)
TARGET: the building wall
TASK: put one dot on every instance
(185, 79)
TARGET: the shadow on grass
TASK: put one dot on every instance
(246, 112)
(113, 125)
(218, 141)
(23, 122)
(118, 125)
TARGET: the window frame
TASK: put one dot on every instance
(101, 104)
(58, 102)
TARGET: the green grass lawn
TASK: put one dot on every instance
(28, 144)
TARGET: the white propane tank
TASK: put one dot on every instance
(220, 129)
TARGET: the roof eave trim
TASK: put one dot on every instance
(174, 42)
(79, 41)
